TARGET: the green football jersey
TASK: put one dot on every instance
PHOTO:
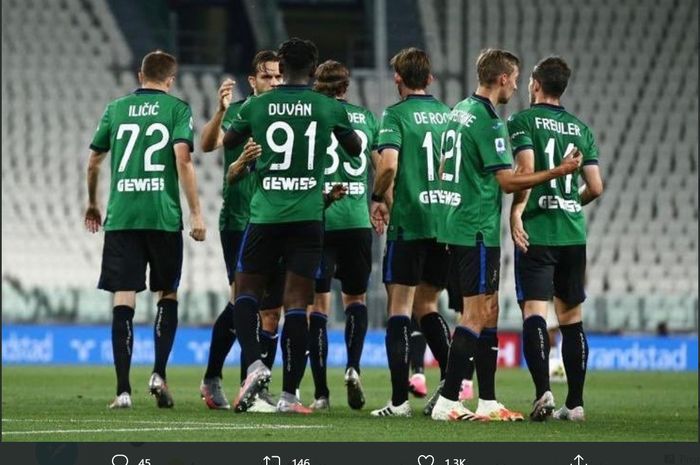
(293, 124)
(140, 131)
(553, 214)
(351, 211)
(414, 127)
(474, 148)
(235, 211)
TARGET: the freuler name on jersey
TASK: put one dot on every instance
(276, 183)
(141, 185)
(570, 129)
(428, 117)
(145, 109)
(357, 118)
(554, 202)
(354, 188)
(440, 196)
(289, 109)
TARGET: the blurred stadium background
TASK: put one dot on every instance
(635, 83)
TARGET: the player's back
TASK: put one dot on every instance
(140, 130)
(293, 124)
(414, 127)
(474, 147)
(553, 214)
(342, 168)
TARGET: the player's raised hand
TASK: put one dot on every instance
(199, 230)
(517, 232)
(379, 215)
(571, 162)
(93, 218)
(226, 93)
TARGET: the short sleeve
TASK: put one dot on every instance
(101, 140)
(183, 128)
(590, 151)
(373, 129)
(494, 149)
(389, 132)
(342, 126)
(520, 135)
(240, 122)
(229, 116)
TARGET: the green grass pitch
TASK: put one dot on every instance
(70, 404)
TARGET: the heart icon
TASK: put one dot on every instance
(426, 460)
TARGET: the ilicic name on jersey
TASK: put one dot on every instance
(145, 109)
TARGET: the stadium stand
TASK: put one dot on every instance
(636, 86)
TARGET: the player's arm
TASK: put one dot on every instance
(524, 164)
(240, 130)
(240, 168)
(512, 181)
(212, 136)
(93, 215)
(383, 180)
(349, 141)
(188, 181)
(594, 183)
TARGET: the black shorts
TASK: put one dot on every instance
(299, 244)
(126, 254)
(347, 256)
(230, 245)
(477, 269)
(545, 271)
(411, 262)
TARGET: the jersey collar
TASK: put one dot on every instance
(549, 105)
(487, 103)
(144, 90)
(293, 87)
(419, 96)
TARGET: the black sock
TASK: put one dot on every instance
(222, 338)
(246, 322)
(122, 345)
(437, 334)
(318, 352)
(295, 334)
(355, 333)
(463, 348)
(164, 330)
(397, 353)
(417, 346)
(469, 375)
(486, 360)
(268, 344)
(574, 352)
(536, 351)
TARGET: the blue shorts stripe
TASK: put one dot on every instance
(389, 274)
(295, 312)
(482, 268)
(239, 264)
(518, 287)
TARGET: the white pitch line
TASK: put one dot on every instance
(119, 421)
(166, 428)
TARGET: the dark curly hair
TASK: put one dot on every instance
(298, 58)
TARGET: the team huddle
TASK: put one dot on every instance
(297, 213)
